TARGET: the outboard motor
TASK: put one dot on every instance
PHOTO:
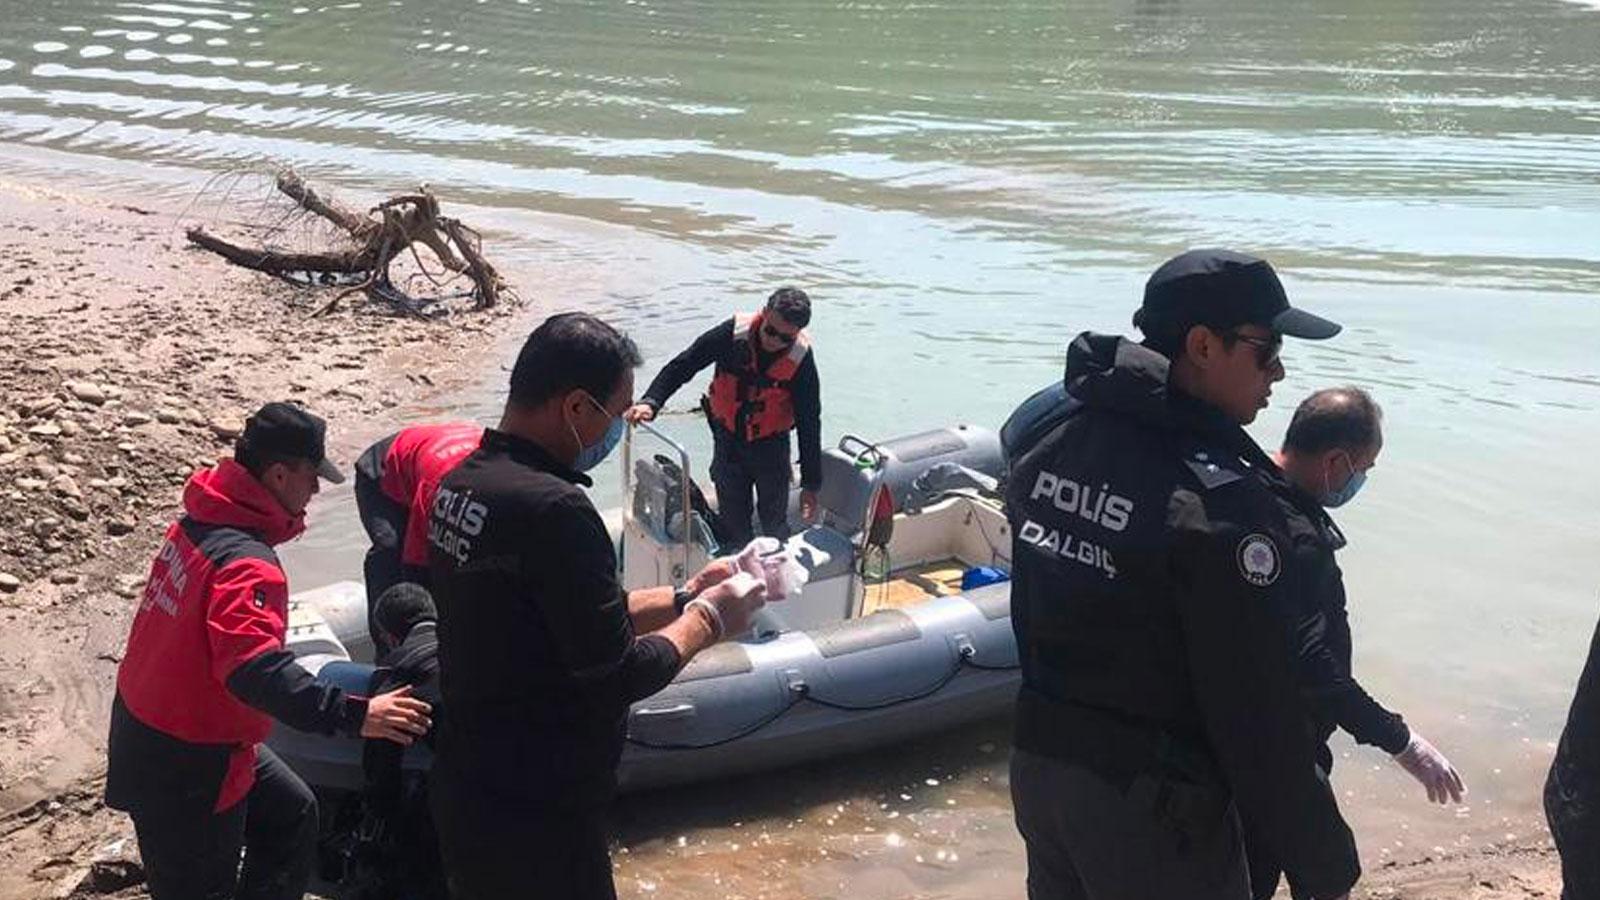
(658, 501)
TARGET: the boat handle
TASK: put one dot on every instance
(682, 574)
(676, 710)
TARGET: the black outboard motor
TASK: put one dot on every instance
(697, 501)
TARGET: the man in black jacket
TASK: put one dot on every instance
(540, 648)
(1149, 552)
(1332, 443)
(765, 385)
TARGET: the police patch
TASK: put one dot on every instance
(1258, 560)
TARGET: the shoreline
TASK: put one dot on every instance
(134, 361)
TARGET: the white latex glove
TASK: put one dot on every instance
(769, 560)
(732, 602)
(1426, 764)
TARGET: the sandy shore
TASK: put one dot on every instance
(129, 360)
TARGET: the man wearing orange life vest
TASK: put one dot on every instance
(765, 385)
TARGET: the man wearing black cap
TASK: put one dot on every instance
(206, 672)
(1158, 699)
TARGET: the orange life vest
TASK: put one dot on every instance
(751, 403)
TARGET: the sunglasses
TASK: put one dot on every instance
(1267, 349)
(778, 337)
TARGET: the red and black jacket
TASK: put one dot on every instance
(408, 466)
(206, 670)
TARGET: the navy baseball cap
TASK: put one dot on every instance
(283, 429)
(1223, 289)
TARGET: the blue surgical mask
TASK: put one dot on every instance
(1343, 495)
(589, 457)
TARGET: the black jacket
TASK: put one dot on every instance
(1318, 623)
(717, 347)
(1149, 556)
(1319, 634)
(538, 656)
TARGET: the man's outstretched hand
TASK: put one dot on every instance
(397, 716)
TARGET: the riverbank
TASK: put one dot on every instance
(129, 360)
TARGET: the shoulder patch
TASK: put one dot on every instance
(1259, 560)
(1211, 474)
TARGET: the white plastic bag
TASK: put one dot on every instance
(768, 559)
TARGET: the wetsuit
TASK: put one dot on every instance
(1158, 694)
(540, 664)
(401, 859)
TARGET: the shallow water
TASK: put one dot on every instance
(962, 187)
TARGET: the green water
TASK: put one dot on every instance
(962, 187)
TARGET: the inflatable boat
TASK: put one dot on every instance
(904, 627)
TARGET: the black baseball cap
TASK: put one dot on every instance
(1223, 289)
(283, 429)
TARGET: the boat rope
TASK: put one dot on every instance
(800, 692)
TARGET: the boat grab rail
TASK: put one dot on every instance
(680, 573)
(800, 692)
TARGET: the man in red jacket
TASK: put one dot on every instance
(395, 482)
(206, 672)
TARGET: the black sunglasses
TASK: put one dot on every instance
(781, 337)
(1267, 349)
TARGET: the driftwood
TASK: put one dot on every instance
(383, 233)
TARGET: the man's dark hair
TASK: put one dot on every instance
(1339, 418)
(792, 304)
(1164, 337)
(572, 350)
(401, 607)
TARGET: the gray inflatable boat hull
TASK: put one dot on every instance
(740, 707)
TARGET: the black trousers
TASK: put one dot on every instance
(192, 853)
(737, 467)
(1572, 807)
(1092, 837)
(1265, 868)
(1572, 791)
(385, 522)
(501, 846)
